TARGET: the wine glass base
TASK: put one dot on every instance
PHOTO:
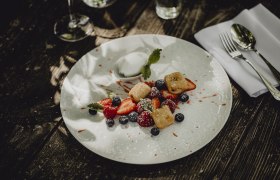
(74, 27)
(99, 3)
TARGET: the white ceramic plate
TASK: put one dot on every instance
(205, 114)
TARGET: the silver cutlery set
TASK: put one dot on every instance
(242, 38)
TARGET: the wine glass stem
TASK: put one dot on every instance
(73, 21)
(70, 8)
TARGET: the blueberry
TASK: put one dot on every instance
(110, 122)
(155, 131)
(123, 119)
(133, 116)
(179, 117)
(160, 84)
(92, 111)
(116, 101)
(184, 97)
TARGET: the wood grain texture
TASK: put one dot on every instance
(33, 63)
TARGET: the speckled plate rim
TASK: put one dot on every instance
(206, 114)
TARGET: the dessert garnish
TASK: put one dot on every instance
(153, 58)
(150, 104)
(135, 64)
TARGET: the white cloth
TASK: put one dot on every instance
(266, 28)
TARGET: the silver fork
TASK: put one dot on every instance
(235, 54)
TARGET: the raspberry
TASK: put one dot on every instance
(110, 112)
(139, 108)
(144, 105)
(145, 119)
(172, 105)
(154, 92)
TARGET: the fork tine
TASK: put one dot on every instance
(230, 42)
(227, 42)
(222, 37)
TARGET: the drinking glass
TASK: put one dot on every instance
(168, 9)
(73, 27)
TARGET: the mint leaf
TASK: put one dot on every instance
(146, 71)
(95, 106)
(154, 57)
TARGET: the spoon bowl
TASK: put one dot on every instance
(243, 37)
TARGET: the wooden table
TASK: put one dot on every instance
(35, 143)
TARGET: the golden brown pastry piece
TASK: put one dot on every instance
(139, 91)
(162, 117)
(176, 83)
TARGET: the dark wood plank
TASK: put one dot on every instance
(258, 154)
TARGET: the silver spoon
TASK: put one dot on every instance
(246, 41)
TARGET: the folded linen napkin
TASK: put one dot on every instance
(266, 28)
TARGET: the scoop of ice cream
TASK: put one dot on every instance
(131, 64)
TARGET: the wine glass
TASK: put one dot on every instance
(73, 27)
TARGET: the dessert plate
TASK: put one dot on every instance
(91, 78)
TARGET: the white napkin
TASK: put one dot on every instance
(266, 28)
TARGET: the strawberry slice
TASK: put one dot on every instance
(105, 102)
(126, 106)
(155, 103)
(167, 95)
(191, 85)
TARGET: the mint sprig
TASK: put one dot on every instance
(153, 58)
